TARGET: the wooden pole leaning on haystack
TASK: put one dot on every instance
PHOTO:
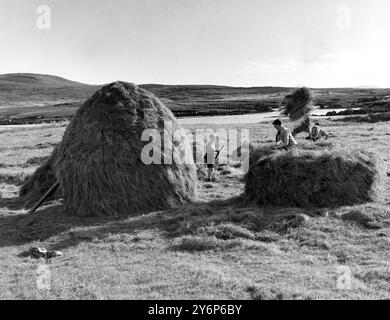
(44, 197)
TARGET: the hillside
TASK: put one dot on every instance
(209, 92)
(18, 87)
(24, 90)
(35, 98)
(32, 98)
(31, 79)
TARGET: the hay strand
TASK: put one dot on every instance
(298, 104)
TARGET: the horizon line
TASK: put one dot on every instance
(363, 87)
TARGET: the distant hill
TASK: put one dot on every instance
(26, 94)
(26, 89)
(32, 79)
(367, 87)
(21, 89)
(29, 97)
(210, 92)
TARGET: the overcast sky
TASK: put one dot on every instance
(322, 43)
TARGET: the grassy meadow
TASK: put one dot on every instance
(219, 247)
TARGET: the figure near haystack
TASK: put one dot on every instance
(209, 158)
(284, 138)
(298, 107)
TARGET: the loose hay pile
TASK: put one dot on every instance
(99, 165)
(298, 104)
(311, 178)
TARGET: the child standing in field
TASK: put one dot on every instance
(209, 158)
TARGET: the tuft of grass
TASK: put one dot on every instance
(228, 231)
(36, 161)
(361, 218)
(14, 179)
(260, 293)
(202, 243)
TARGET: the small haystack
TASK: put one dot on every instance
(314, 178)
(99, 163)
(298, 104)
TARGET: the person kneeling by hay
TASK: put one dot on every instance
(284, 138)
(317, 133)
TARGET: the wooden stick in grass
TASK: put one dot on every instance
(48, 193)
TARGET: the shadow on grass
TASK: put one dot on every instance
(193, 227)
(51, 221)
(222, 219)
(22, 228)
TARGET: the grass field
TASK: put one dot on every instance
(219, 247)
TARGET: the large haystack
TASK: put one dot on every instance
(99, 165)
(314, 178)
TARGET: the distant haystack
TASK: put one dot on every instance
(298, 104)
(313, 178)
(98, 162)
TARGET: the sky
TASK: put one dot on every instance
(322, 43)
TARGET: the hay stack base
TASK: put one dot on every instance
(304, 178)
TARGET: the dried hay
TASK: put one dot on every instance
(315, 178)
(298, 104)
(99, 165)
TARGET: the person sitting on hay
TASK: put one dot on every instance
(284, 138)
(317, 133)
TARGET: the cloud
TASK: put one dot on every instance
(338, 68)
(279, 66)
